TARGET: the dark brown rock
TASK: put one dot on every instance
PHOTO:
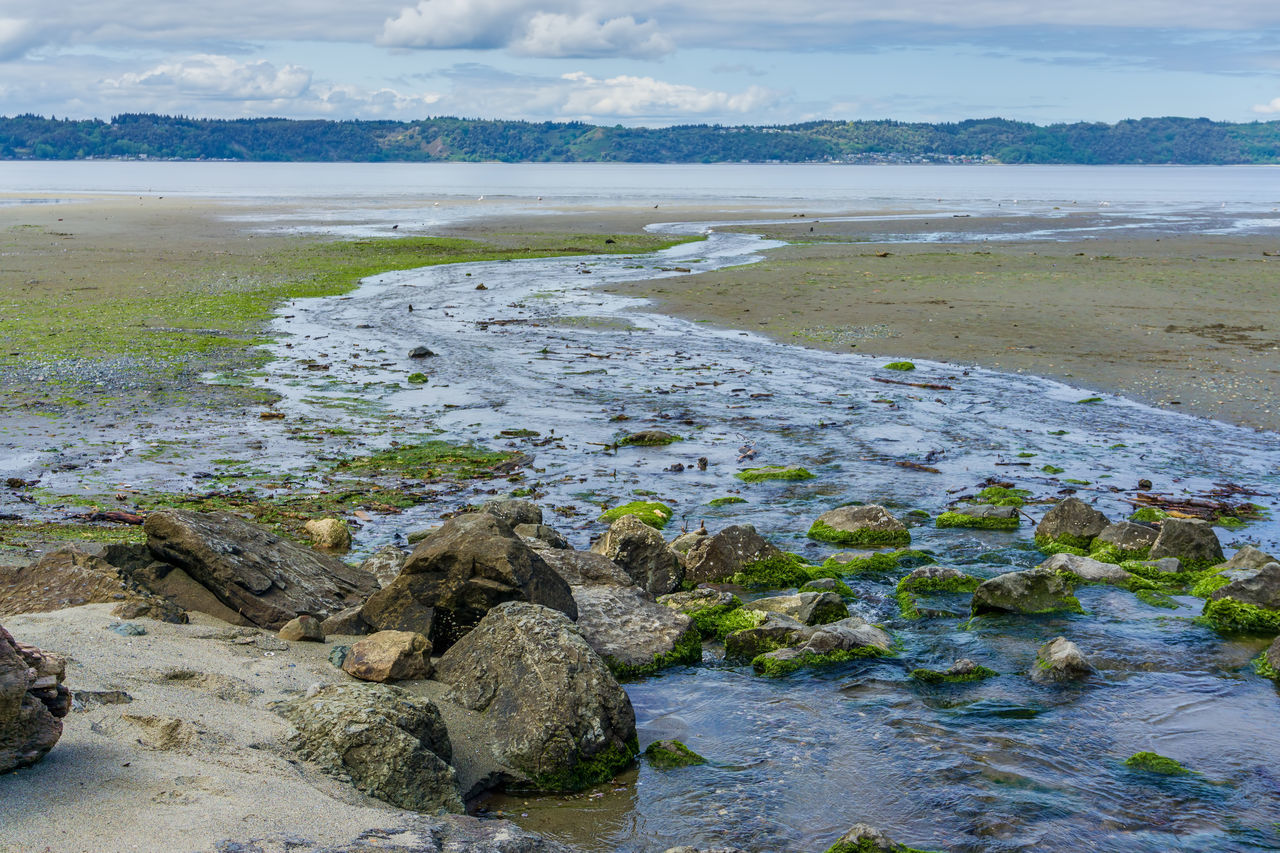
(389, 656)
(266, 579)
(642, 553)
(1071, 522)
(1191, 540)
(33, 701)
(304, 628)
(70, 577)
(717, 557)
(472, 563)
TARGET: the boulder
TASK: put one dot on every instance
(70, 576)
(1261, 589)
(865, 838)
(453, 578)
(558, 718)
(388, 743)
(1071, 522)
(302, 628)
(840, 641)
(389, 656)
(1190, 540)
(33, 701)
(330, 534)
(544, 534)
(1088, 569)
(682, 543)
(936, 578)
(1059, 660)
(180, 589)
(1248, 557)
(1167, 565)
(255, 573)
(632, 633)
(642, 553)
(345, 622)
(1038, 590)
(583, 568)
(698, 599)
(776, 631)
(514, 512)
(385, 564)
(1127, 537)
(714, 558)
(810, 608)
(866, 526)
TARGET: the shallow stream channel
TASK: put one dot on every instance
(540, 361)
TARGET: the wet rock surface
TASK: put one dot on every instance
(642, 553)
(1060, 660)
(719, 556)
(1033, 591)
(1190, 540)
(1072, 522)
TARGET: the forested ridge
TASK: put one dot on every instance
(1136, 141)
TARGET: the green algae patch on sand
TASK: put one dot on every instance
(652, 513)
(686, 652)
(601, 767)
(726, 501)
(899, 365)
(1153, 762)
(973, 522)
(431, 460)
(669, 754)
(775, 668)
(1231, 616)
(862, 538)
(774, 472)
(933, 676)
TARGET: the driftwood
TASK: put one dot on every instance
(930, 385)
(916, 466)
(1201, 506)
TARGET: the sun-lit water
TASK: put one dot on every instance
(1003, 765)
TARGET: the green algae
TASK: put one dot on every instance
(1155, 598)
(430, 460)
(862, 538)
(1264, 668)
(726, 501)
(1107, 552)
(686, 652)
(1209, 584)
(417, 378)
(721, 620)
(773, 472)
(933, 676)
(899, 365)
(669, 754)
(1149, 514)
(879, 563)
(774, 668)
(782, 572)
(964, 583)
(866, 845)
(1052, 469)
(1002, 496)
(652, 513)
(841, 588)
(1153, 762)
(1065, 544)
(648, 439)
(1231, 616)
(960, 519)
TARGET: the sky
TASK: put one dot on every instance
(652, 64)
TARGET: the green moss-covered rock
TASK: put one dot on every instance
(1155, 598)
(1263, 666)
(417, 378)
(1070, 523)
(774, 472)
(649, 438)
(668, 754)
(725, 501)
(865, 526)
(1051, 546)
(1152, 762)
(863, 838)
(652, 513)
(782, 572)
(601, 767)
(1227, 614)
(938, 579)
(1034, 591)
(961, 672)
(835, 585)
(716, 623)
(1007, 520)
(686, 652)
(1149, 514)
(899, 365)
(1209, 583)
(775, 667)
(1002, 496)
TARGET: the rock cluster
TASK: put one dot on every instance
(33, 701)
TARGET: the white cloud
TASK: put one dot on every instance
(553, 28)
(1273, 106)
(17, 36)
(549, 34)
(634, 96)
(208, 75)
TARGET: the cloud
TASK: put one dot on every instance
(635, 96)
(1273, 106)
(17, 36)
(208, 75)
(526, 27)
(549, 34)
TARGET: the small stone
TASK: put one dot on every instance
(331, 534)
(303, 628)
(420, 352)
(127, 629)
(338, 655)
(389, 656)
(1059, 660)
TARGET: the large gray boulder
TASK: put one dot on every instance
(717, 557)
(810, 608)
(642, 553)
(1071, 522)
(1088, 569)
(1038, 590)
(254, 572)
(1059, 660)
(33, 701)
(514, 512)
(454, 577)
(1128, 537)
(556, 715)
(583, 568)
(1248, 558)
(632, 633)
(388, 743)
(1261, 589)
(1191, 540)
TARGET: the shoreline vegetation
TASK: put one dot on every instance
(1165, 140)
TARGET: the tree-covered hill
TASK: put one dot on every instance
(1148, 140)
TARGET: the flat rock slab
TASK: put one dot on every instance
(257, 574)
